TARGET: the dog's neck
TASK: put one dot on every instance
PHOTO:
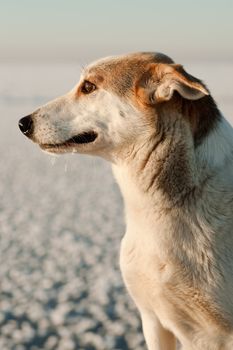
(160, 166)
(156, 177)
(166, 168)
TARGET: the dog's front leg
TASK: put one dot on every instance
(157, 337)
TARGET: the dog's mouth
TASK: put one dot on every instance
(80, 139)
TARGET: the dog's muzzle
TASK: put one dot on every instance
(26, 125)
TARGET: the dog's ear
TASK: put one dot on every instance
(162, 80)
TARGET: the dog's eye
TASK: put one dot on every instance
(88, 87)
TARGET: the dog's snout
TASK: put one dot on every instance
(26, 125)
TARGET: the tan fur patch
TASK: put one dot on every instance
(121, 73)
(202, 114)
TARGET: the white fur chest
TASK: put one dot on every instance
(144, 266)
(144, 262)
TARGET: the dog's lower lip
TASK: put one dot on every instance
(84, 138)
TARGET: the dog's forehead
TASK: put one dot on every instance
(120, 72)
(133, 61)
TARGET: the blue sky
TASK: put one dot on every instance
(79, 29)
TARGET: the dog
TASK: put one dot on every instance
(172, 155)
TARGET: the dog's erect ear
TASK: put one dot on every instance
(162, 80)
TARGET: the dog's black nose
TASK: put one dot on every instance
(26, 125)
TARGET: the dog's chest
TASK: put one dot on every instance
(145, 270)
(144, 257)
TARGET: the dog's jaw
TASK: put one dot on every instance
(71, 145)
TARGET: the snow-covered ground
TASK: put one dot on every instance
(61, 222)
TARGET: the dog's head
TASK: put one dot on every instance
(115, 104)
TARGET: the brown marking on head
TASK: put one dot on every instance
(161, 81)
(168, 88)
(122, 72)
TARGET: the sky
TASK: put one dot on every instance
(68, 30)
